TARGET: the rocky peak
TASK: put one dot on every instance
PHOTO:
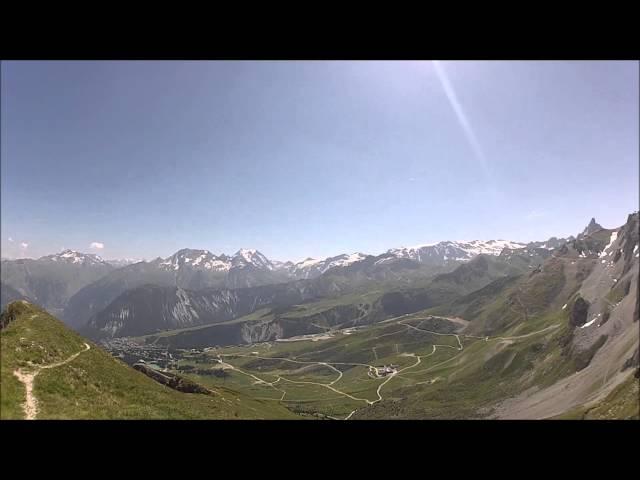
(251, 257)
(591, 228)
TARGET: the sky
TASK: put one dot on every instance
(311, 159)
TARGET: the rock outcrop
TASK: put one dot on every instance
(171, 380)
(579, 312)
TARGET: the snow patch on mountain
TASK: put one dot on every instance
(74, 257)
(453, 250)
(205, 260)
(607, 250)
(348, 259)
(311, 267)
(250, 256)
(309, 262)
(198, 259)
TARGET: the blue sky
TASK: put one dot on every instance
(303, 159)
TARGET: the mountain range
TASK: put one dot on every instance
(513, 336)
(492, 329)
(52, 280)
(149, 308)
(79, 286)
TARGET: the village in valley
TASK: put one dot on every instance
(154, 356)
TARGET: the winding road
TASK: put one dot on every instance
(371, 368)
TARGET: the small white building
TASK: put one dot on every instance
(386, 370)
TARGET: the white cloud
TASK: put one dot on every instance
(11, 239)
(24, 245)
(97, 245)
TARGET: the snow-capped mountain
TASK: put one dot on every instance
(311, 268)
(251, 257)
(437, 254)
(196, 269)
(449, 251)
(187, 268)
(73, 257)
(282, 266)
(207, 261)
(196, 259)
(51, 280)
(551, 244)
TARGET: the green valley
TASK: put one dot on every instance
(73, 378)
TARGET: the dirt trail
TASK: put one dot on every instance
(436, 333)
(518, 337)
(460, 321)
(330, 365)
(30, 406)
(325, 364)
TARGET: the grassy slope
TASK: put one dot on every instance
(450, 383)
(485, 374)
(489, 371)
(447, 384)
(96, 385)
(470, 382)
(482, 374)
(356, 347)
